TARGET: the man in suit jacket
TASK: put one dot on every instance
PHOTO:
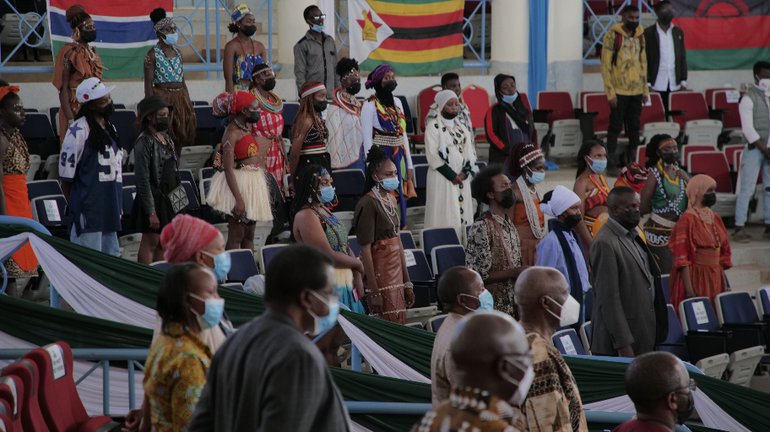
(629, 312)
(666, 56)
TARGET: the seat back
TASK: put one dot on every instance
(129, 195)
(558, 102)
(588, 304)
(124, 121)
(447, 256)
(764, 300)
(730, 151)
(349, 186)
(354, 246)
(726, 100)
(6, 423)
(12, 394)
(597, 103)
(690, 106)
(420, 184)
(60, 403)
(525, 101)
(267, 253)
(704, 131)
(34, 166)
(425, 99)
(432, 237)
(243, 265)
(477, 100)
(38, 188)
(417, 265)
(192, 196)
(194, 157)
(736, 307)
(39, 134)
(568, 342)
(129, 178)
(664, 285)
(289, 113)
(654, 112)
(709, 94)
(714, 164)
(161, 265)
(407, 114)
(206, 173)
(49, 210)
(434, 323)
(675, 341)
(31, 417)
(567, 138)
(407, 240)
(641, 155)
(698, 314)
(651, 129)
(585, 334)
(687, 149)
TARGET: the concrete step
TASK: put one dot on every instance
(748, 277)
(754, 253)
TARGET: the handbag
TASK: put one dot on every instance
(178, 199)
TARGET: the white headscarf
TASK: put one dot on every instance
(561, 200)
(442, 98)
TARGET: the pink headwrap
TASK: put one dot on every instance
(376, 76)
(241, 100)
(222, 104)
(184, 236)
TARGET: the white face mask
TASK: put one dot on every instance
(764, 85)
(570, 311)
(522, 386)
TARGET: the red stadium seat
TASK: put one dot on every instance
(60, 403)
(477, 100)
(525, 100)
(424, 100)
(709, 93)
(653, 113)
(731, 151)
(731, 118)
(559, 103)
(714, 164)
(12, 396)
(686, 106)
(690, 148)
(597, 103)
(641, 155)
(31, 417)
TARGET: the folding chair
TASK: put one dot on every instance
(703, 131)
(567, 138)
(597, 103)
(37, 188)
(161, 265)
(568, 342)
(407, 240)
(737, 309)
(407, 115)
(34, 166)
(432, 237)
(434, 323)
(267, 253)
(687, 105)
(194, 157)
(421, 275)
(129, 179)
(192, 197)
(447, 256)
(124, 121)
(39, 135)
(243, 265)
(290, 110)
(419, 159)
(12, 397)
(206, 126)
(354, 246)
(654, 112)
(557, 104)
(477, 100)
(764, 302)
(730, 151)
(349, 187)
(50, 210)
(586, 330)
(724, 104)
(28, 394)
(424, 101)
(129, 246)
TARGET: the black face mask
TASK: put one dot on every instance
(684, 408)
(353, 88)
(630, 219)
(670, 158)
(709, 199)
(88, 36)
(161, 124)
(269, 84)
(571, 221)
(506, 199)
(666, 17)
(631, 26)
(389, 86)
(252, 116)
(249, 30)
(448, 116)
(320, 106)
(106, 111)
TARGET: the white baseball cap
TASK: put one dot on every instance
(92, 89)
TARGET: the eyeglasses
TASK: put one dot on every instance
(88, 27)
(318, 17)
(692, 385)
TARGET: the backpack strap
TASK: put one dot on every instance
(616, 46)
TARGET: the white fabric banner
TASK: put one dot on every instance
(382, 361)
(328, 9)
(355, 427)
(366, 30)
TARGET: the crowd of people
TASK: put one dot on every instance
(493, 364)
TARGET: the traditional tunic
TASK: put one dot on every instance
(243, 65)
(83, 62)
(450, 151)
(343, 119)
(669, 201)
(596, 197)
(313, 151)
(493, 245)
(470, 409)
(529, 221)
(442, 368)
(379, 227)
(23, 263)
(182, 119)
(553, 402)
(705, 249)
(174, 377)
(270, 125)
(463, 116)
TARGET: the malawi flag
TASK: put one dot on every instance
(426, 34)
(724, 34)
(123, 31)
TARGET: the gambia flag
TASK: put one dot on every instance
(724, 34)
(416, 37)
(124, 31)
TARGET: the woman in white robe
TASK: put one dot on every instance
(451, 155)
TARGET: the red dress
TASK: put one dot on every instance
(703, 247)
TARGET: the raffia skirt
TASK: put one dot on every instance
(254, 190)
(182, 120)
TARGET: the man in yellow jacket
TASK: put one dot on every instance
(624, 71)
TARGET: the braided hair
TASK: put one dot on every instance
(374, 160)
(652, 149)
(306, 193)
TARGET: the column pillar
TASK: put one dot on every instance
(565, 46)
(510, 40)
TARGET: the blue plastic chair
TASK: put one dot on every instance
(568, 342)
(447, 256)
(243, 265)
(432, 237)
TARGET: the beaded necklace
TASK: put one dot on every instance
(673, 204)
(527, 195)
(347, 102)
(274, 106)
(390, 210)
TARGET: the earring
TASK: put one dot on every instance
(309, 200)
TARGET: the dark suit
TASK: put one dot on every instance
(629, 307)
(652, 49)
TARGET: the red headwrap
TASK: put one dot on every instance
(4, 90)
(184, 236)
(241, 100)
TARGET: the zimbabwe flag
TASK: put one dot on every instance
(427, 36)
(724, 34)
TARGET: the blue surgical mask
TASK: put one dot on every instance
(213, 311)
(326, 194)
(222, 265)
(317, 28)
(537, 177)
(325, 323)
(509, 99)
(172, 38)
(598, 165)
(487, 302)
(390, 184)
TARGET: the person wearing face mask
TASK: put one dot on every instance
(507, 122)
(242, 190)
(383, 124)
(309, 132)
(561, 249)
(755, 125)
(270, 124)
(164, 76)
(666, 54)
(461, 291)
(624, 72)
(75, 62)
(451, 81)
(545, 305)
(313, 223)
(493, 249)
(389, 291)
(242, 53)
(629, 313)
(661, 389)
(700, 246)
(591, 186)
(493, 370)
(451, 155)
(178, 358)
(270, 376)
(343, 119)
(315, 55)
(90, 171)
(156, 176)
(664, 195)
(527, 168)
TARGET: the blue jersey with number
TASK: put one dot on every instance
(96, 200)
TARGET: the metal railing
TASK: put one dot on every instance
(599, 23)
